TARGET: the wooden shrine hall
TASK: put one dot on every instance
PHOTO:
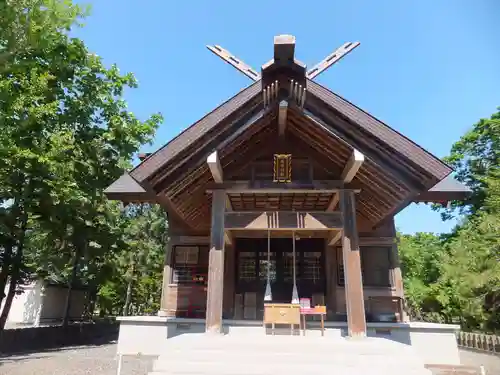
(286, 192)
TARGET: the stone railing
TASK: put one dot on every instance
(479, 341)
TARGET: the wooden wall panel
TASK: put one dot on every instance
(182, 298)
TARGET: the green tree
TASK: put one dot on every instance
(66, 135)
(136, 284)
(456, 277)
(476, 160)
(472, 267)
(421, 259)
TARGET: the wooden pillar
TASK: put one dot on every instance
(216, 264)
(356, 320)
(167, 272)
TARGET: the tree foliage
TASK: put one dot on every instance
(66, 135)
(134, 282)
(456, 278)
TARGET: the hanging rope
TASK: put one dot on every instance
(268, 296)
(295, 294)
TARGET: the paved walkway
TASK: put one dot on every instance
(100, 360)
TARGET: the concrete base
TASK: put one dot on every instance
(432, 343)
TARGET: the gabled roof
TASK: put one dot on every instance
(396, 172)
(317, 94)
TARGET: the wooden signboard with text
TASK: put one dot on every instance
(282, 170)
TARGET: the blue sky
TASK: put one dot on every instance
(427, 68)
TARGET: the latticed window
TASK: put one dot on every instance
(340, 275)
(311, 267)
(247, 266)
(186, 266)
(288, 266)
(375, 266)
(263, 266)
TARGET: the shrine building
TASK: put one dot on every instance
(286, 193)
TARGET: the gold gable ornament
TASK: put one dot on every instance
(282, 171)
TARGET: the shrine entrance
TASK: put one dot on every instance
(252, 272)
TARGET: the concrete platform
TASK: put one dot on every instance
(148, 335)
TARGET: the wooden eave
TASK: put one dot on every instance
(395, 172)
(381, 190)
(324, 104)
(128, 190)
(445, 191)
(331, 107)
(182, 144)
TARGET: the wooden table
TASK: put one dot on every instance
(313, 311)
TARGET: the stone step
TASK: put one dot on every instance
(226, 355)
(281, 365)
(222, 368)
(263, 344)
(224, 365)
(306, 356)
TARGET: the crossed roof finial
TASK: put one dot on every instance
(284, 57)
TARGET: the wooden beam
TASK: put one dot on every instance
(172, 211)
(189, 240)
(235, 62)
(215, 286)
(229, 205)
(333, 202)
(215, 167)
(228, 238)
(356, 320)
(283, 220)
(282, 114)
(323, 234)
(269, 187)
(352, 166)
(331, 59)
(334, 238)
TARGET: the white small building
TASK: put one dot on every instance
(44, 302)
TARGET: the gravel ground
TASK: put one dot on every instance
(101, 360)
(92, 360)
